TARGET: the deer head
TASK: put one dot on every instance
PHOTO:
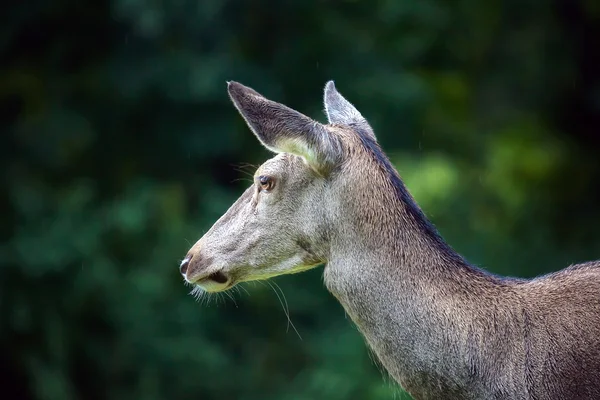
(285, 221)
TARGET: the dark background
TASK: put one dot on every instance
(120, 148)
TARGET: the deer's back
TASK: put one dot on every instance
(562, 330)
(536, 339)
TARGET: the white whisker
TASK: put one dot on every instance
(244, 289)
(230, 295)
(285, 308)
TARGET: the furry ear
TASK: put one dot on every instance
(341, 111)
(284, 130)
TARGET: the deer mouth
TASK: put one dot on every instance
(215, 282)
(218, 277)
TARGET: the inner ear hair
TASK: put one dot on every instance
(282, 129)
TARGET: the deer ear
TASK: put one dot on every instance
(284, 130)
(341, 111)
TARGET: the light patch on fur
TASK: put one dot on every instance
(292, 265)
(300, 148)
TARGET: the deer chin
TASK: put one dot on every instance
(293, 265)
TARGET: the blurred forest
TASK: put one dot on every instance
(120, 148)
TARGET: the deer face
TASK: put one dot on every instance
(282, 222)
(277, 226)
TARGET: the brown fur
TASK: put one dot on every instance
(441, 327)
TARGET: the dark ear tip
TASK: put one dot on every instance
(233, 86)
(239, 91)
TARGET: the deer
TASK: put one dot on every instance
(441, 327)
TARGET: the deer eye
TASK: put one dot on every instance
(266, 182)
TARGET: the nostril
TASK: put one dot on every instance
(184, 265)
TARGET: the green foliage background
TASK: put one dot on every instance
(120, 148)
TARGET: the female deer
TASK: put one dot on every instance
(441, 327)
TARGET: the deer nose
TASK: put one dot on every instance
(184, 265)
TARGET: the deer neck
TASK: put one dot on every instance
(402, 286)
(402, 256)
